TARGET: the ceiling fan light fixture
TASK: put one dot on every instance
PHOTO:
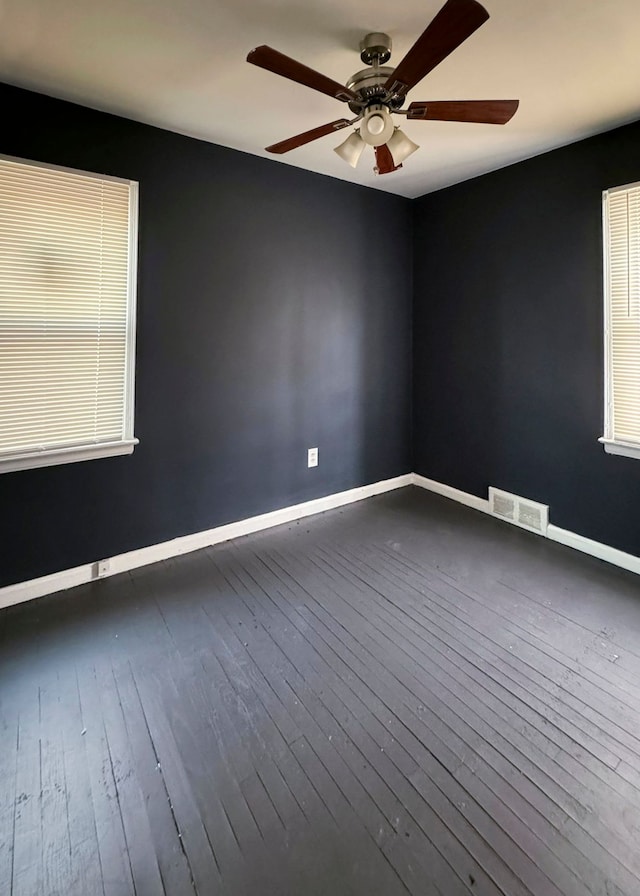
(377, 126)
(400, 146)
(351, 149)
(376, 93)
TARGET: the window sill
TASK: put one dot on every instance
(623, 449)
(33, 459)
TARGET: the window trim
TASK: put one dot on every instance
(623, 449)
(611, 445)
(33, 459)
(52, 456)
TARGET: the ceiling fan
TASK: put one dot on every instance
(378, 92)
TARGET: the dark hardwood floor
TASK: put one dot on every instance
(402, 696)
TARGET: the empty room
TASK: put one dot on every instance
(319, 448)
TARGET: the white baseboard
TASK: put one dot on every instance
(595, 548)
(554, 533)
(450, 492)
(80, 575)
(57, 581)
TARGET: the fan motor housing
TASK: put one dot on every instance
(369, 85)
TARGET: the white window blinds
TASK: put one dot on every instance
(67, 315)
(622, 320)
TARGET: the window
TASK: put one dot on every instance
(67, 315)
(621, 218)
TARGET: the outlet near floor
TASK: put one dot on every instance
(312, 457)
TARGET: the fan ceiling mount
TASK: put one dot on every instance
(378, 92)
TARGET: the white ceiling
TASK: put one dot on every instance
(180, 64)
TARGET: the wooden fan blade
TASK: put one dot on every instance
(456, 21)
(279, 64)
(308, 136)
(384, 160)
(481, 111)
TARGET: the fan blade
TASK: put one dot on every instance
(308, 136)
(384, 160)
(481, 111)
(279, 64)
(456, 21)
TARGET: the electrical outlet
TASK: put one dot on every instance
(312, 457)
(104, 568)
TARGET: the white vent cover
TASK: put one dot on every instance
(519, 511)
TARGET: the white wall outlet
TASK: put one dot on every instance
(104, 568)
(312, 457)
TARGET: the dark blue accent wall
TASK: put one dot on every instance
(508, 373)
(273, 315)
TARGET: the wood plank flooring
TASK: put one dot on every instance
(399, 697)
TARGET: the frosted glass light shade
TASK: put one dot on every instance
(400, 146)
(377, 126)
(351, 149)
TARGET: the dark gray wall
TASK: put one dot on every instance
(508, 372)
(274, 315)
